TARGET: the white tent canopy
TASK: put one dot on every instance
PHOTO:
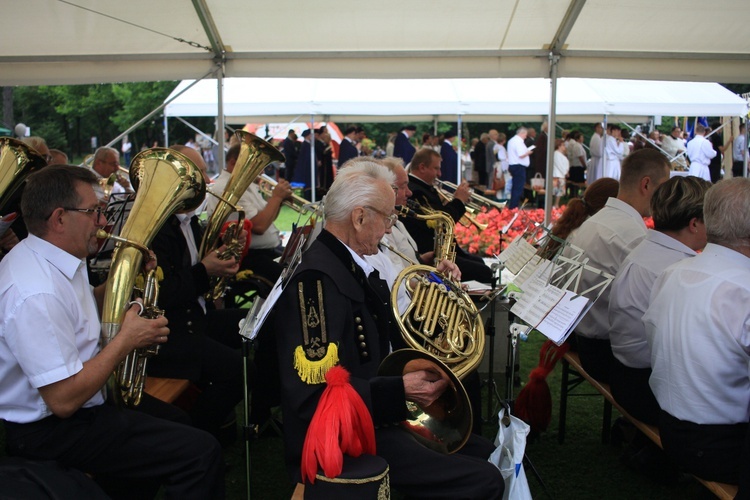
(475, 100)
(93, 41)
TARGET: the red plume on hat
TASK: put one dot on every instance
(342, 424)
(534, 402)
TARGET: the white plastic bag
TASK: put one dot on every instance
(508, 456)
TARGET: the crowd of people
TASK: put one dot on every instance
(335, 308)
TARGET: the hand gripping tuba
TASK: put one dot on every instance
(165, 182)
(17, 161)
(255, 155)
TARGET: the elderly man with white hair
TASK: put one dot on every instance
(698, 328)
(337, 312)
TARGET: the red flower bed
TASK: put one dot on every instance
(491, 242)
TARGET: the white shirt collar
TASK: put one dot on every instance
(366, 267)
(68, 264)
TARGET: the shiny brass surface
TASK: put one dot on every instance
(17, 161)
(255, 155)
(166, 182)
(296, 203)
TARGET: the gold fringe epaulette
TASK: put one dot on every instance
(314, 372)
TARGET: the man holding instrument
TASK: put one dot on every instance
(341, 315)
(424, 171)
(52, 371)
(105, 165)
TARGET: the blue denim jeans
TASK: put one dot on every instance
(518, 172)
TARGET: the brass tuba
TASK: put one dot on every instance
(17, 161)
(166, 182)
(255, 155)
(443, 328)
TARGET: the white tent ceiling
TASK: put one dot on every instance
(476, 100)
(93, 41)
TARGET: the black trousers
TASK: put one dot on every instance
(111, 442)
(261, 262)
(472, 267)
(596, 357)
(419, 472)
(712, 452)
(631, 390)
(737, 168)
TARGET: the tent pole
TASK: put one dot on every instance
(554, 59)
(166, 131)
(459, 177)
(221, 160)
(312, 158)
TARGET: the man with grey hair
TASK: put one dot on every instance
(106, 165)
(698, 328)
(340, 314)
(518, 159)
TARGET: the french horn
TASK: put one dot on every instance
(17, 162)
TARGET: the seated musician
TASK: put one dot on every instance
(336, 311)
(205, 344)
(423, 173)
(698, 328)
(52, 370)
(677, 210)
(265, 243)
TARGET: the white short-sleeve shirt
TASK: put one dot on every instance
(49, 326)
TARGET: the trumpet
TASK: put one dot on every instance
(107, 183)
(297, 203)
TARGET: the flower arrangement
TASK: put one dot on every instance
(491, 241)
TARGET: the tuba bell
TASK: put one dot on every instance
(166, 182)
(255, 155)
(17, 161)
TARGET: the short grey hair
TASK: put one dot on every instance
(103, 152)
(355, 186)
(725, 212)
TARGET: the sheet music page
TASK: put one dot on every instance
(518, 253)
(255, 318)
(537, 267)
(536, 301)
(563, 317)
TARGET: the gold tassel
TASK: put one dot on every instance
(314, 372)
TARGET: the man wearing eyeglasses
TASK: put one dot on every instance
(106, 166)
(53, 371)
(335, 309)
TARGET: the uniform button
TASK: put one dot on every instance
(361, 338)
(358, 320)
(363, 345)
(364, 354)
(189, 311)
(360, 328)
(189, 323)
(375, 317)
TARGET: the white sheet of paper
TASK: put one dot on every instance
(561, 320)
(536, 301)
(518, 253)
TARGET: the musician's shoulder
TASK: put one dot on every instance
(315, 353)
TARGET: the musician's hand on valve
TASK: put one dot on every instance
(150, 263)
(218, 267)
(463, 192)
(424, 387)
(283, 190)
(449, 269)
(242, 238)
(140, 332)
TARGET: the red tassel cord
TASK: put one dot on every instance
(534, 402)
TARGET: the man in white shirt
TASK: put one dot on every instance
(596, 149)
(700, 152)
(53, 371)
(266, 238)
(607, 238)
(615, 150)
(673, 145)
(677, 211)
(518, 159)
(739, 151)
(698, 329)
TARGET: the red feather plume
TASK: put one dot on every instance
(342, 424)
